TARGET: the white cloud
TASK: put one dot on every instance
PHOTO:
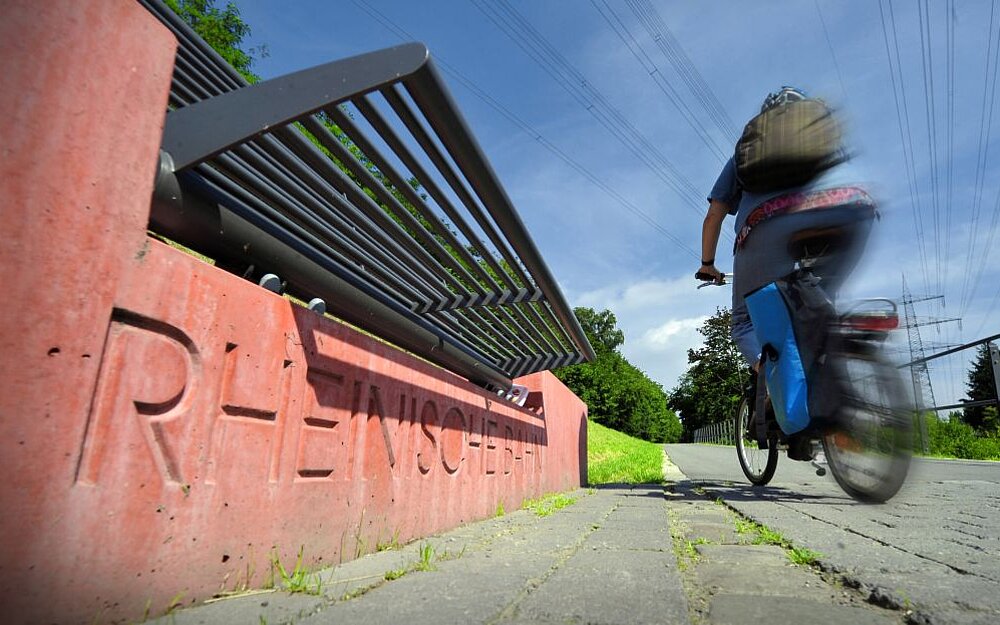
(664, 336)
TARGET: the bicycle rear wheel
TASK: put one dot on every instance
(757, 464)
(869, 449)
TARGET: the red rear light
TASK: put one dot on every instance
(877, 322)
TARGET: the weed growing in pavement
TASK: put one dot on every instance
(684, 549)
(298, 580)
(500, 511)
(426, 562)
(392, 545)
(394, 574)
(763, 535)
(767, 536)
(801, 555)
(546, 505)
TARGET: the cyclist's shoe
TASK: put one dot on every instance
(800, 447)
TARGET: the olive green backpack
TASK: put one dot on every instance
(787, 146)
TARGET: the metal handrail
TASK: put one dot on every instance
(242, 181)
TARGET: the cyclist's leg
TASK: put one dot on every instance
(765, 256)
(742, 330)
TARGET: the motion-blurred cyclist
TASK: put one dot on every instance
(767, 220)
(789, 176)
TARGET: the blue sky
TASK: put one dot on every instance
(602, 252)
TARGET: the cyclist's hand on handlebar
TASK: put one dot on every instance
(708, 273)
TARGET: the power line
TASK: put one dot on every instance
(671, 48)
(619, 28)
(833, 55)
(905, 136)
(523, 34)
(510, 116)
(950, 71)
(969, 286)
(553, 63)
(927, 65)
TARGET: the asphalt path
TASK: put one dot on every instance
(933, 549)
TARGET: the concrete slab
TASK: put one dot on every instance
(723, 533)
(634, 540)
(789, 581)
(610, 587)
(742, 609)
(744, 555)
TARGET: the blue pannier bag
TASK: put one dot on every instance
(791, 317)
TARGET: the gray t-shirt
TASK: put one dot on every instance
(727, 189)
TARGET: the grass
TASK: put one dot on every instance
(801, 555)
(763, 535)
(614, 457)
(299, 579)
(424, 563)
(546, 505)
(391, 545)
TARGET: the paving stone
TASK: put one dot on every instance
(744, 555)
(636, 539)
(715, 532)
(742, 609)
(788, 581)
(608, 587)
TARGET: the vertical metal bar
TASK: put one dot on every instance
(918, 407)
(436, 104)
(995, 361)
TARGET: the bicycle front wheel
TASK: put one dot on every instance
(869, 449)
(757, 464)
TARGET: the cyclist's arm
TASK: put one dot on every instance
(710, 230)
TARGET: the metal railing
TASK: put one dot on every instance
(359, 182)
(920, 409)
(721, 433)
(994, 359)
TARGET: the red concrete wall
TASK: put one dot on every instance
(166, 424)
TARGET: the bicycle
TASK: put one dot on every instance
(866, 440)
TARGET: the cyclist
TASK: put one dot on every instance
(766, 223)
(833, 200)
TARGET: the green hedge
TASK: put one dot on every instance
(957, 439)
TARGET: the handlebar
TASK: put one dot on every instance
(708, 279)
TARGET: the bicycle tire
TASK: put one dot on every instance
(758, 464)
(879, 432)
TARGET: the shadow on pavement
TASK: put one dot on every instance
(732, 491)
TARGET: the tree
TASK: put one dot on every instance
(223, 29)
(617, 393)
(601, 329)
(981, 386)
(711, 389)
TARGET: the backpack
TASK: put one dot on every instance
(787, 146)
(791, 318)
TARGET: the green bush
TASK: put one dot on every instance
(618, 394)
(955, 438)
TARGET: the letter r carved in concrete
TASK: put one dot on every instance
(146, 385)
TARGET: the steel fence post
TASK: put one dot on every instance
(995, 361)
